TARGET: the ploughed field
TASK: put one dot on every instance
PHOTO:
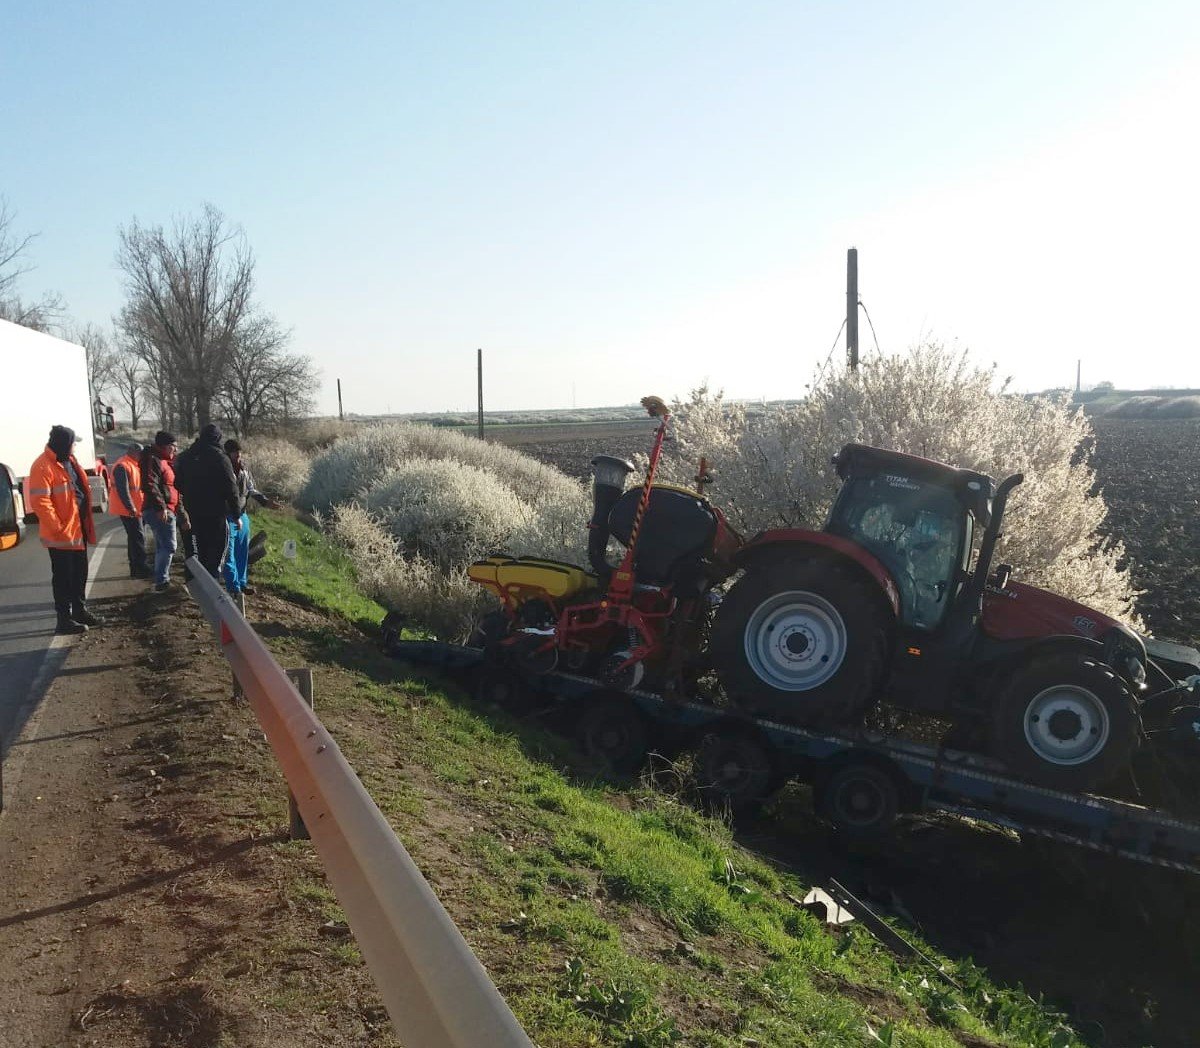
(1148, 470)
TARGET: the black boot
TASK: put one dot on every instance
(66, 624)
(80, 614)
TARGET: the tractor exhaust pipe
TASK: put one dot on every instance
(608, 485)
(987, 548)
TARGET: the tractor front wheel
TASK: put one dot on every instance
(1065, 721)
(803, 642)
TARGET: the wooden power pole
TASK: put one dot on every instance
(341, 416)
(852, 308)
(479, 369)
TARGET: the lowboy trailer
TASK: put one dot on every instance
(862, 780)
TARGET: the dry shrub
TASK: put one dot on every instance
(444, 601)
(279, 468)
(775, 471)
(446, 512)
(314, 434)
(415, 505)
(368, 455)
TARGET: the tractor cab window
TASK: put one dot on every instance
(919, 531)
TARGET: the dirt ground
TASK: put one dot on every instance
(135, 911)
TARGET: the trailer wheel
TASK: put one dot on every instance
(859, 798)
(501, 686)
(1065, 721)
(488, 632)
(613, 730)
(735, 770)
(801, 641)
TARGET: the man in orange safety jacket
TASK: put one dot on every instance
(60, 497)
(125, 500)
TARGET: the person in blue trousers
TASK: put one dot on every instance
(237, 559)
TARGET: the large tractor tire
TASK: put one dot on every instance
(1066, 721)
(805, 642)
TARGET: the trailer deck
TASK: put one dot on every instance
(926, 778)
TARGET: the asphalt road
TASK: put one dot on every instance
(30, 654)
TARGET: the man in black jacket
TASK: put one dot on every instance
(205, 478)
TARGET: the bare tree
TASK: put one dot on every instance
(189, 297)
(101, 357)
(263, 382)
(46, 311)
(129, 380)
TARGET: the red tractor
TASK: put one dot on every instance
(894, 602)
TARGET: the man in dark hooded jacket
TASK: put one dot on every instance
(204, 476)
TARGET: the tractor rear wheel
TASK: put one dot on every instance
(1066, 721)
(803, 642)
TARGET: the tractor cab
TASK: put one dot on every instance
(919, 518)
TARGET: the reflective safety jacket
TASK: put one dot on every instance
(125, 488)
(52, 498)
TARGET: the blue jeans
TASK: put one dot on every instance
(164, 544)
(234, 568)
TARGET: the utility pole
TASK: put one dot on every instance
(341, 416)
(852, 308)
(479, 366)
(1078, 375)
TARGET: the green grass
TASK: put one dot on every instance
(609, 913)
(320, 576)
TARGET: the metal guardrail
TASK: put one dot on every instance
(435, 989)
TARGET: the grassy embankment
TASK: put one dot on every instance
(607, 913)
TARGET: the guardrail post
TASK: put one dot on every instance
(303, 679)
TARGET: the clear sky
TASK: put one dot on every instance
(621, 198)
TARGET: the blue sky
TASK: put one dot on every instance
(622, 198)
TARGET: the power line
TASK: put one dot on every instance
(863, 305)
(834, 346)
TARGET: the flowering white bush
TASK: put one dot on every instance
(366, 457)
(279, 468)
(775, 471)
(446, 602)
(446, 512)
(415, 505)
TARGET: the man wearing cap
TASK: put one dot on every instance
(210, 496)
(60, 497)
(160, 503)
(125, 500)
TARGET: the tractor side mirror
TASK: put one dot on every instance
(12, 513)
(1001, 577)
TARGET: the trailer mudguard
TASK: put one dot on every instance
(799, 542)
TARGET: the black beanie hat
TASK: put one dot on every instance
(211, 434)
(164, 439)
(61, 439)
